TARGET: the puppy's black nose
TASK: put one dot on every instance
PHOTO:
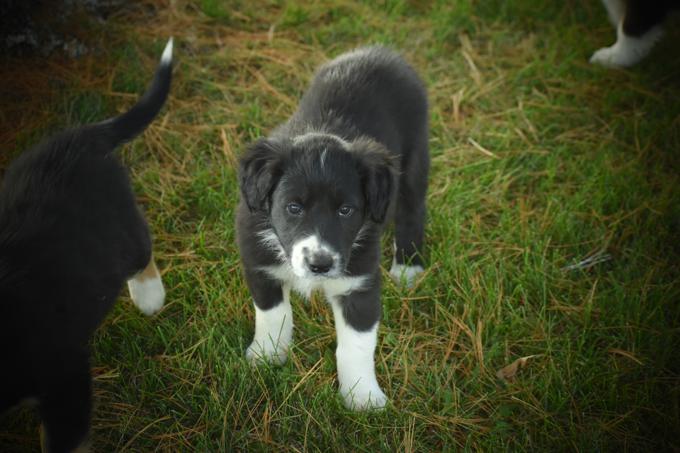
(320, 263)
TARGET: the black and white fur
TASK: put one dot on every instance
(639, 25)
(316, 195)
(71, 235)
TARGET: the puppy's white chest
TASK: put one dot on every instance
(332, 287)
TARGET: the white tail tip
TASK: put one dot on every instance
(166, 58)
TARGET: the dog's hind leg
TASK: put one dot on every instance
(409, 220)
(66, 405)
(146, 289)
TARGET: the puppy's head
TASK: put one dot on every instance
(320, 193)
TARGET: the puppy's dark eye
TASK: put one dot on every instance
(294, 208)
(346, 211)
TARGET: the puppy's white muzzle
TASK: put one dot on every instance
(311, 258)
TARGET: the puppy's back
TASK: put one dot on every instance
(367, 65)
(368, 91)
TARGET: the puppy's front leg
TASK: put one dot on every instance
(357, 317)
(273, 321)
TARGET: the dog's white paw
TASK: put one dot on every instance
(405, 275)
(273, 334)
(364, 397)
(613, 57)
(148, 294)
(627, 50)
(258, 353)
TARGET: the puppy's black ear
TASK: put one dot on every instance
(379, 171)
(260, 170)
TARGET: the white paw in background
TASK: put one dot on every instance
(363, 397)
(613, 57)
(147, 294)
(627, 50)
(403, 274)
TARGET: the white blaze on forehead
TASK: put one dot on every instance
(299, 139)
(323, 157)
(305, 248)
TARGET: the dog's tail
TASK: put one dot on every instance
(127, 126)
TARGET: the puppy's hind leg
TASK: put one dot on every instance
(146, 289)
(409, 220)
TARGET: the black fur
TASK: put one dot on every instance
(70, 236)
(641, 15)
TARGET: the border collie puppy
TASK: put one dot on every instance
(71, 235)
(638, 27)
(315, 196)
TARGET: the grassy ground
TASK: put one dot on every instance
(539, 161)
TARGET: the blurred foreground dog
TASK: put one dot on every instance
(639, 25)
(316, 195)
(71, 235)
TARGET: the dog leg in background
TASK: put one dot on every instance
(146, 289)
(615, 10)
(273, 324)
(407, 262)
(66, 406)
(355, 353)
(636, 34)
(628, 50)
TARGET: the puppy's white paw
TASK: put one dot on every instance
(613, 57)
(627, 50)
(258, 353)
(364, 397)
(405, 275)
(273, 334)
(148, 294)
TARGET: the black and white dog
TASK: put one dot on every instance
(71, 235)
(639, 25)
(315, 197)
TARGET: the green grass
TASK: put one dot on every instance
(538, 160)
